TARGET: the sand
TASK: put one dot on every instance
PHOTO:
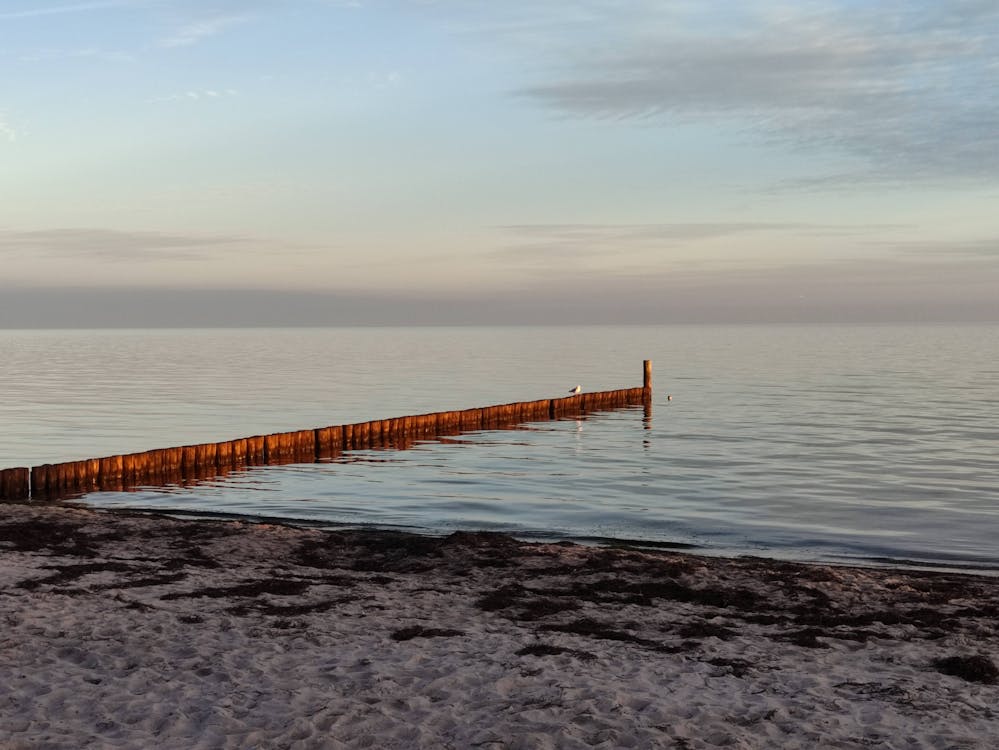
(128, 631)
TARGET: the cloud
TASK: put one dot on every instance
(7, 131)
(614, 232)
(380, 80)
(58, 10)
(196, 95)
(197, 31)
(843, 292)
(88, 53)
(908, 90)
(545, 243)
(110, 245)
(973, 248)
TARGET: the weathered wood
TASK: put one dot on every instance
(306, 443)
(565, 407)
(239, 452)
(15, 483)
(175, 457)
(362, 435)
(189, 462)
(87, 472)
(375, 439)
(324, 443)
(128, 470)
(255, 450)
(205, 456)
(470, 420)
(40, 481)
(109, 474)
(272, 448)
(223, 455)
(387, 429)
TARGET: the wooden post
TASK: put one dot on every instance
(255, 450)
(128, 470)
(90, 471)
(110, 476)
(305, 446)
(175, 462)
(189, 461)
(165, 465)
(375, 437)
(14, 483)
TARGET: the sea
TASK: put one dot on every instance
(862, 444)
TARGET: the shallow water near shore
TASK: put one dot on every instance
(868, 444)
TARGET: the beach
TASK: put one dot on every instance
(128, 631)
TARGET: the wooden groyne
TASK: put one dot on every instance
(163, 466)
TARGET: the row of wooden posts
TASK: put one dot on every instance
(193, 462)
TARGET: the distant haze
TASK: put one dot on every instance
(224, 162)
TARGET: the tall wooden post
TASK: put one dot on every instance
(647, 374)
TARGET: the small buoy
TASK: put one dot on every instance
(669, 397)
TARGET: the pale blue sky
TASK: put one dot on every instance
(448, 161)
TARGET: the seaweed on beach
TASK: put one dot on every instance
(68, 573)
(645, 592)
(418, 631)
(56, 537)
(975, 668)
(595, 629)
(137, 583)
(272, 586)
(372, 551)
(546, 649)
(738, 667)
(528, 605)
(704, 629)
(807, 638)
(293, 610)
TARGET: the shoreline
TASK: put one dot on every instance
(913, 564)
(125, 630)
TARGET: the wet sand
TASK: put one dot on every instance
(132, 631)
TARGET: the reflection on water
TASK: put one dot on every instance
(846, 444)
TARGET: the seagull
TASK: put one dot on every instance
(576, 391)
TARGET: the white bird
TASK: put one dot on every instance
(576, 391)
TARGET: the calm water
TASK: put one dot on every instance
(874, 444)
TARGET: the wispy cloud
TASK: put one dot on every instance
(86, 53)
(113, 245)
(828, 292)
(987, 247)
(195, 95)
(384, 80)
(545, 243)
(681, 231)
(197, 31)
(58, 10)
(906, 89)
(7, 131)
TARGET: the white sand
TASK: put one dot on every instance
(126, 631)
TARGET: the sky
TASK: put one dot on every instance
(328, 162)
